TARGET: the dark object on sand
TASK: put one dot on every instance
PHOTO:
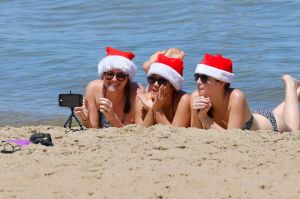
(9, 148)
(41, 138)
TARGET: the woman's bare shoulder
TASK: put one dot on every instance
(182, 96)
(237, 94)
(94, 87)
(95, 84)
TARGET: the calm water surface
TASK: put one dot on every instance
(51, 47)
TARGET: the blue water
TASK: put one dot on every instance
(51, 47)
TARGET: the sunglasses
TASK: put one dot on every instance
(203, 78)
(161, 81)
(119, 76)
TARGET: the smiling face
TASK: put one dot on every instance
(115, 80)
(155, 82)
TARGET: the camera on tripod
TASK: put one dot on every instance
(71, 101)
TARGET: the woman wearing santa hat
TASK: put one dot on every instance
(217, 106)
(165, 102)
(110, 100)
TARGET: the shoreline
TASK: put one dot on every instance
(154, 162)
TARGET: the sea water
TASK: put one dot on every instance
(52, 47)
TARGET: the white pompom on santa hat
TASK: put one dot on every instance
(169, 68)
(117, 59)
(217, 67)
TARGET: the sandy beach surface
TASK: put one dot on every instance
(156, 162)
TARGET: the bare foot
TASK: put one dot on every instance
(152, 59)
(174, 53)
(291, 81)
(146, 66)
(171, 52)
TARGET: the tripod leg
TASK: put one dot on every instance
(68, 121)
(81, 128)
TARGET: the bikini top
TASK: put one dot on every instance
(248, 124)
(103, 122)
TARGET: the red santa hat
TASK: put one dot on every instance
(217, 67)
(117, 59)
(169, 68)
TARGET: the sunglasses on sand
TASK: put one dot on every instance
(161, 81)
(109, 75)
(203, 78)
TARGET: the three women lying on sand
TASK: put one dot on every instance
(115, 100)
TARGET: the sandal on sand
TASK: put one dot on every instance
(9, 148)
(41, 138)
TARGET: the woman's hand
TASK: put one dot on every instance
(160, 99)
(106, 107)
(201, 106)
(83, 111)
(147, 102)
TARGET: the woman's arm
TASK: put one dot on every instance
(106, 106)
(239, 110)
(115, 122)
(201, 105)
(195, 122)
(143, 117)
(160, 100)
(208, 123)
(93, 116)
(182, 117)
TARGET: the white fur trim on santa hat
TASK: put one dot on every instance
(116, 62)
(168, 73)
(216, 73)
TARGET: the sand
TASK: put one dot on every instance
(156, 162)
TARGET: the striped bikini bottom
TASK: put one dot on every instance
(268, 114)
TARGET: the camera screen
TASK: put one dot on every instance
(70, 100)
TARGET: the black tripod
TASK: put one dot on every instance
(69, 121)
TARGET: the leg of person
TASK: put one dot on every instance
(174, 53)
(279, 109)
(152, 59)
(289, 110)
(298, 93)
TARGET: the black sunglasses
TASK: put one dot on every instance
(203, 78)
(109, 75)
(161, 81)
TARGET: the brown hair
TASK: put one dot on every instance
(226, 89)
(127, 104)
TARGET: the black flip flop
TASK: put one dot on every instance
(9, 148)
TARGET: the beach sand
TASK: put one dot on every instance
(156, 162)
